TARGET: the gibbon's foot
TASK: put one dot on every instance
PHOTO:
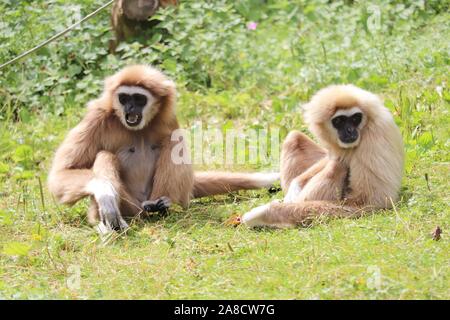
(274, 189)
(160, 205)
(255, 217)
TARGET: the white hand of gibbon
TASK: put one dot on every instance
(108, 208)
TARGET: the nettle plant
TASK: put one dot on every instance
(194, 42)
(198, 40)
(202, 44)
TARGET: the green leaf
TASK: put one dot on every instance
(5, 218)
(4, 168)
(16, 249)
(23, 153)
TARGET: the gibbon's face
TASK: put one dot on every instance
(135, 106)
(347, 124)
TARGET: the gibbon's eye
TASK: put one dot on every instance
(356, 118)
(139, 99)
(339, 121)
(124, 98)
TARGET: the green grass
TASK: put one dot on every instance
(192, 253)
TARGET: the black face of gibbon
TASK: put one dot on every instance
(133, 105)
(347, 127)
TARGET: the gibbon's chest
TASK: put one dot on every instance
(138, 161)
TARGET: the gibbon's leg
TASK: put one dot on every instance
(298, 153)
(211, 183)
(129, 206)
(106, 188)
(160, 205)
(281, 215)
(92, 213)
(320, 191)
(69, 185)
(171, 180)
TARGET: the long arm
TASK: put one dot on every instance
(71, 169)
(325, 180)
(297, 184)
(298, 154)
(80, 169)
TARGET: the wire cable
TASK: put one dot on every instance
(56, 36)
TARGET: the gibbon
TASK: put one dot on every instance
(357, 169)
(130, 16)
(119, 155)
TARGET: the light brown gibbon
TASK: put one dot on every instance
(129, 17)
(358, 169)
(119, 155)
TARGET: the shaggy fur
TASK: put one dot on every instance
(333, 180)
(130, 17)
(119, 167)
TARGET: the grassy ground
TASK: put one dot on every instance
(49, 251)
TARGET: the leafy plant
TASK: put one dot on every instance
(245, 64)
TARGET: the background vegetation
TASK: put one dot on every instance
(228, 75)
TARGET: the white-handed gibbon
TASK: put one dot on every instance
(129, 17)
(119, 155)
(357, 169)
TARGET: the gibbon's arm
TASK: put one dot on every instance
(171, 180)
(311, 172)
(325, 180)
(70, 172)
(298, 183)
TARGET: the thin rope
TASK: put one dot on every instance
(56, 36)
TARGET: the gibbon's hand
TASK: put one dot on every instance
(160, 205)
(108, 208)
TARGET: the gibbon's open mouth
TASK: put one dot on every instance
(133, 119)
(349, 139)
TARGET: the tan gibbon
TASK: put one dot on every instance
(119, 155)
(357, 169)
(129, 17)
